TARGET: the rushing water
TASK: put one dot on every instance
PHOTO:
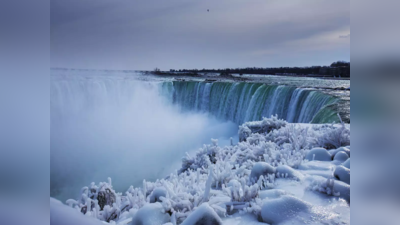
(119, 127)
(104, 123)
(241, 102)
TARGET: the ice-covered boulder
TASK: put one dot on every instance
(264, 126)
(151, 214)
(203, 215)
(157, 193)
(342, 173)
(347, 163)
(64, 215)
(319, 154)
(342, 189)
(278, 210)
(346, 150)
(106, 197)
(261, 168)
(288, 172)
(341, 156)
(271, 193)
(330, 187)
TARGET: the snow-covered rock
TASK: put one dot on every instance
(156, 194)
(264, 126)
(106, 197)
(272, 193)
(278, 210)
(343, 189)
(61, 214)
(330, 187)
(347, 163)
(319, 154)
(261, 168)
(151, 214)
(203, 215)
(288, 172)
(346, 150)
(341, 156)
(342, 173)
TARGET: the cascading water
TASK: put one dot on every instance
(242, 102)
(116, 126)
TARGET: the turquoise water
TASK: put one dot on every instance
(241, 102)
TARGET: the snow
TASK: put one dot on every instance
(347, 163)
(264, 126)
(341, 149)
(157, 194)
(261, 169)
(341, 156)
(285, 171)
(343, 174)
(151, 214)
(273, 193)
(268, 176)
(286, 207)
(319, 154)
(61, 214)
(203, 215)
(237, 219)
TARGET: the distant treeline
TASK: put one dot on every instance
(336, 69)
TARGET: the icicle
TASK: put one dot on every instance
(173, 218)
(144, 188)
(208, 185)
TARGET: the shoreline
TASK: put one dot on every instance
(235, 76)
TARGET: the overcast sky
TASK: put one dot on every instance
(144, 34)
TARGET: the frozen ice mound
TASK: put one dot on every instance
(64, 215)
(341, 157)
(285, 171)
(203, 215)
(347, 163)
(346, 150)
(343, 189)
(319, 154)
(157, 194)
(342, 173)
(264, 126)
(151, 214)
(284, 208)
(261, 169)
(272, 193)
(330, 187)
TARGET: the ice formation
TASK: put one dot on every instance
(319, 154)
(341, 157)
(287, 207)
(279, 172)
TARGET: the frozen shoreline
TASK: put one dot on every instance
(220, 182)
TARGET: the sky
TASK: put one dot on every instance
(177, 34)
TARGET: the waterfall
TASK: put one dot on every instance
(241, 102)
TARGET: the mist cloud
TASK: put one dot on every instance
(122, 129)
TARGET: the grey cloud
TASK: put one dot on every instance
(344, 36)
(143, 34)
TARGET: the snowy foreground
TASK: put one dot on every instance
(278, 173)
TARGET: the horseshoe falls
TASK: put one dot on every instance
(241, 102)
(142, 134)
